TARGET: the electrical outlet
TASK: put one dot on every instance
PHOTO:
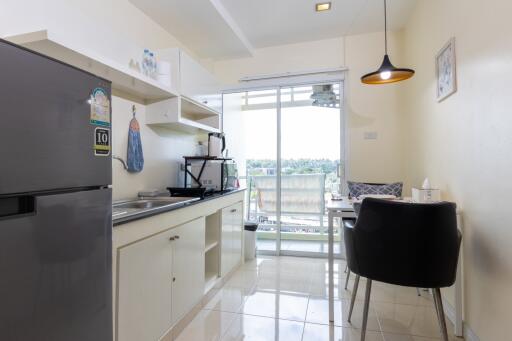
(370, 135)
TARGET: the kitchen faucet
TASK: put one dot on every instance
(120, 159)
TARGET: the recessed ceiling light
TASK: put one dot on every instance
(323, 6)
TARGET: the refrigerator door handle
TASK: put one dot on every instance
(15, 207)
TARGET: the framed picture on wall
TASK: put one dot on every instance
(446, 71)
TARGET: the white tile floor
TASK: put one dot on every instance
(297, 245)
(285, 298)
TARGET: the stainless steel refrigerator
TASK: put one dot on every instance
(55, 200)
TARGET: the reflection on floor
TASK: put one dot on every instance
(296, 245)
(285, 298)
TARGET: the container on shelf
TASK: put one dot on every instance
(201, 149)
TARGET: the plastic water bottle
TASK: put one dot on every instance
(152, 63)
(155, 66)
(145, 62)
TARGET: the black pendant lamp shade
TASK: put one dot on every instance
(387, 72)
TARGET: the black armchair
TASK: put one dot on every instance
(357, 189)
(406, 244)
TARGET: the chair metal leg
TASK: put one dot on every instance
(366, 308)
(346, 268)
(440, 313)
(435, 304)
(346, 280)
(418, 291)
(353, 299)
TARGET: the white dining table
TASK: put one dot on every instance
(344, 209)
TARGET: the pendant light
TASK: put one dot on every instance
(387, 73)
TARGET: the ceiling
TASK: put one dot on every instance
(222, 29)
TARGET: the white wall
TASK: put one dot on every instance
(373, 109)
(368, 108)
(163, 150)
(463, 144)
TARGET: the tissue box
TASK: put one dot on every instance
(426, 195)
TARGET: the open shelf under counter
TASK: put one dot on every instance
(210, 280)
(212, 250)
(126, 82)
(210, 245)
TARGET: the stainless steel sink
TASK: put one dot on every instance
(131, 207)
(143, 204)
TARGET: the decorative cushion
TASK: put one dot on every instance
(357, 189)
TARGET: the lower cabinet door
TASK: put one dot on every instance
(188, 267)
(237, 221)
(231, 240)
(226, 242)
(144, 302)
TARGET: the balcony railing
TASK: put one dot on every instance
(303, 214)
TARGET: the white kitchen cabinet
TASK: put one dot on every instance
(198, 83)
(193, 80)
(226, 242)
(231, 237)
(199, 105)
(160, 279)
(238, 232)
(188, 267)
(145, 288)
(147, 303)
(183, 114)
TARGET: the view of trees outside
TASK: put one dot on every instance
(296, 166)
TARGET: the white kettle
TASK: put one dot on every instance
(216, 144)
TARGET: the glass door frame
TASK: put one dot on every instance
(343, 157)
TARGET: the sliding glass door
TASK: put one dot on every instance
(287, 143)
(310, 156)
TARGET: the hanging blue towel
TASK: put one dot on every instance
(135, 156)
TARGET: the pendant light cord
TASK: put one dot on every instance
(385, 26)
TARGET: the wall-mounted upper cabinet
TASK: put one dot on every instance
(126, 82)
(193, 80)
(199, 106)
(199, 84)
(184, 114)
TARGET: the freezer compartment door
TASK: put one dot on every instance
(56, 268)
(47, 140)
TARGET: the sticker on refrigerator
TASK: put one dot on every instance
(100, 107)
(101, 141)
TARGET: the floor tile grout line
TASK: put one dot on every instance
(303, 330)
(227, 328)
(272, 317)
(378, 301)
(378, 321)
(305, 317)
(422, 336)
